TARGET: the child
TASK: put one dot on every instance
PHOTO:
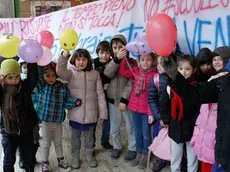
(157, 88)
(85, 83)
(182, 119)
(104, 53)
(203, 140)
(118, 95)
(50, 99)
(17, 114)
(23, 74)
(205, 68)
(139, 106)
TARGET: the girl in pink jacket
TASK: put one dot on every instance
(203, 140)
(138, 104)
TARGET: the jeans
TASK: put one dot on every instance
(142, 131)
(26, 144)
(215, 168)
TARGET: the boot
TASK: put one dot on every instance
(137, 159)
(143, 162)
(91, 159)
(76, 159)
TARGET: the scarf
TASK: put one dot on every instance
(177, 105)
(10, 115)
(140, 87)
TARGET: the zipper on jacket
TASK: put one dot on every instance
(85, 95)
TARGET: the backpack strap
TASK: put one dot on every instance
(156, 78)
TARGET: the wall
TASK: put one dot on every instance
(6, 8)
(26, 11)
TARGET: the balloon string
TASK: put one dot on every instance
(131, 69)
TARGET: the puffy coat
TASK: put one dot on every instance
(203, 139)
(120, 87)
(137, 103)
(87, 86)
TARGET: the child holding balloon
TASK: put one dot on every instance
(85, 83)
(17, 114)
(180, 116)
(50, 98)
(138, 104)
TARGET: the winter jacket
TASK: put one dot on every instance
(23, 101)
(155, 95)
(180, 131)
(203, 139)
(100, 67)
(87, 86)
(120, 87)
(139, 103)
(215, 91)
(50, 101)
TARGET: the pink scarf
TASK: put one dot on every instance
(140, 87)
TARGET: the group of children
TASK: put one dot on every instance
(103, 90)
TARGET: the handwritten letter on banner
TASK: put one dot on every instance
(200, 23)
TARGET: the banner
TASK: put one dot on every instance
(200, 23)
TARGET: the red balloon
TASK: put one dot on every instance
(161, 34)
(45, 38)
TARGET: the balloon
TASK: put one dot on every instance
(139, 46)
(46, 58)
(9, 46)
(30, 50)
(161, 34)
(68, 39)
(45, 38)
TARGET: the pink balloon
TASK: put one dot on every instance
(139, 46)
(46, 58)
(161, 34)
(45, 38)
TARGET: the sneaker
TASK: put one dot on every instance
(62, 164)
(116, 153)
(45, 167)
(130, 155)
(107, 145)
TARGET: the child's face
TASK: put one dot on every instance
(205, 68)
(50, 77)
(81, 63)
(217, 63)
(104, 56)
(159, 67)
(185, 69)
(24, 68)
(116, 46)
(12, 79)
(146, 61)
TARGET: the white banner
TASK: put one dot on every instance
(200, 23)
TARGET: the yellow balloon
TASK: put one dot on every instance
(9, 46)
(68, 39)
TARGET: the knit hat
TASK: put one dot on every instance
(10, 66)
(223, 52)
(120, 37)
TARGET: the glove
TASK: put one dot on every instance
(169, 66)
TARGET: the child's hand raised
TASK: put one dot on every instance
(1, 79)
(78, 102)
(65, 53)
(122, 53)
(151, 119)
